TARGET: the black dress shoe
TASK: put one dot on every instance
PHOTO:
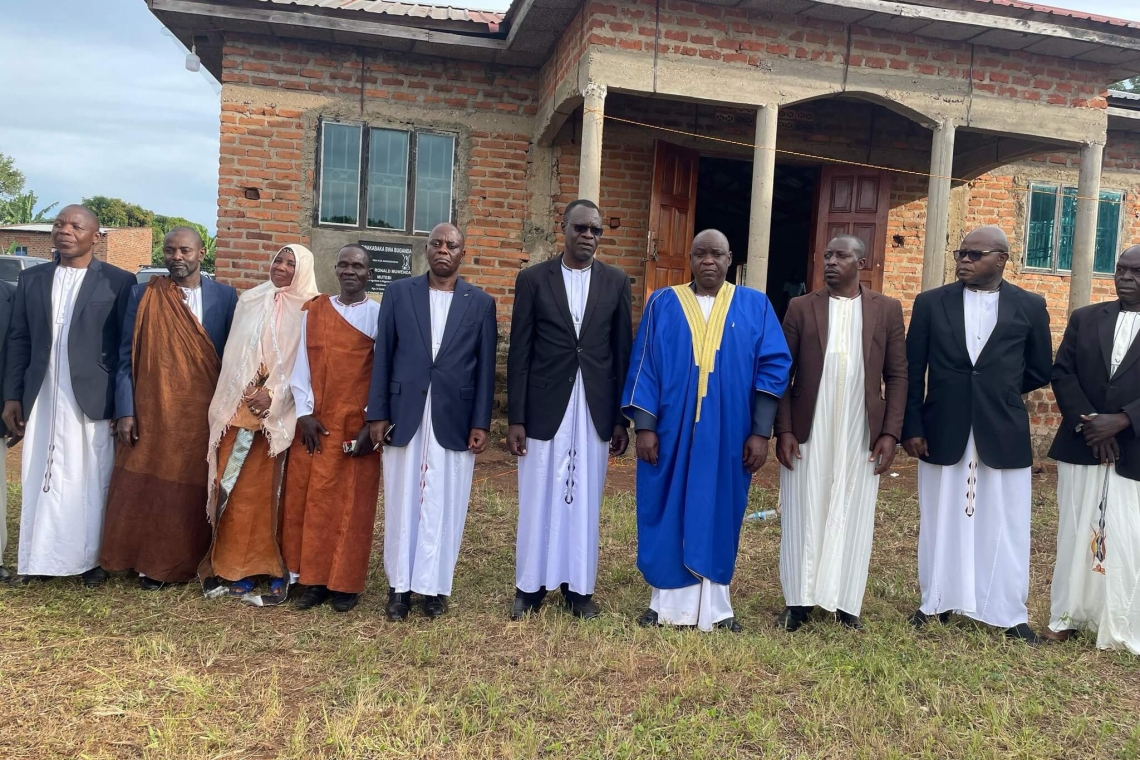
(343, 602)
(847, 620)
(649, 619)
(729, 624)
(1022, 632)
(399, 605)
(149, 584)
(435, 606)
(920, 618)
(94, 577)
(581, 605)
(314, 596)
(5, 576)
(526, 603)
(791, 619)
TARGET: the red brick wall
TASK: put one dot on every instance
(741, 37)
(127, 248)
(271, 147)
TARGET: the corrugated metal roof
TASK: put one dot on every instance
(408, 10)
(1065, 12)
(1124, 95)
(44, 228)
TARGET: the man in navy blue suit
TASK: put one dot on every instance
(173, 335)
(429, 409)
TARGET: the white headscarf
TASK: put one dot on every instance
(266, 331)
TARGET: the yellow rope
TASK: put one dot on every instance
(844, 162)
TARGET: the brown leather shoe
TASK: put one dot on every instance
(1055, 636)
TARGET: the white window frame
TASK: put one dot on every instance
(359, 175)
(413, 175)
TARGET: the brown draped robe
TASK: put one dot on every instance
(330, 498)
(156, 505)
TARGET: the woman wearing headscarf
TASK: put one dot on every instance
(252, 421)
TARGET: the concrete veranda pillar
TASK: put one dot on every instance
(1084, 232)
(938, 206)
(763, 180)
(590, 165)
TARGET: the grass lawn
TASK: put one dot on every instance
(119, 673)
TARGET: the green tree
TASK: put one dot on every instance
(11, 178)
(164, 224)
(1130, 85)
(115, 212)
(21, 210)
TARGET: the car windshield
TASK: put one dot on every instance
(10, 270)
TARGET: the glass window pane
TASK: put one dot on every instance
(387, 179)
(1068, 227)
(1107, 232)
(340, 173)
(1042, 223)
(435, 155)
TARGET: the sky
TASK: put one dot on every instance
(96, 100)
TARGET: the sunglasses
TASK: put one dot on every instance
(962, 253)
(582, 229)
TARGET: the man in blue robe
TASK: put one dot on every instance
(708, 369)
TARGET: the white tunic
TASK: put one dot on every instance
(828, 500)
(561, 482)
(973, 543)
(67, 460)
(1089, 592)
(426, 492)
(702, 604)
(193, 298)
(364, 316)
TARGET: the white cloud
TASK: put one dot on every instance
(97, 101)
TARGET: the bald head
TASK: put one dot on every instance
(710, 237)
(710, 258)
(988, 238)
(446, 228)
(73, 235)
(982, 257)
(1127, 279)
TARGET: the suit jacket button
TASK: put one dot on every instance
(425, 393)
(571, 379)
(974, 372)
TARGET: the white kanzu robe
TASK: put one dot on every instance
(973, 543)
(426, 492)
(702, 604)
(67, 460)
(561, 483)
(828, 500)
(1093, 501)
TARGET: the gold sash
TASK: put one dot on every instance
(706, 335)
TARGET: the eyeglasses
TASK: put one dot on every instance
(963, 253)
(582, 229)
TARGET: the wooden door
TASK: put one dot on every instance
(672, 213)
(852, 201)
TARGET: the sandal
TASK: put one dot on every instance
(240, 588)
(278, 593)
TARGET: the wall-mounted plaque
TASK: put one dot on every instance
(388, 261)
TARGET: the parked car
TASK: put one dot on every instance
(12, 264)
(144, 274)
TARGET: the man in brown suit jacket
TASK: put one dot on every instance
(837, 428)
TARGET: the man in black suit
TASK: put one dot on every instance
(1096, 379)
(974, 348)
(7, 296)
(59, 392)
(429, 409)
(571, 337)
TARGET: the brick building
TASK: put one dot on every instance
(126, 247)
(780, 122)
